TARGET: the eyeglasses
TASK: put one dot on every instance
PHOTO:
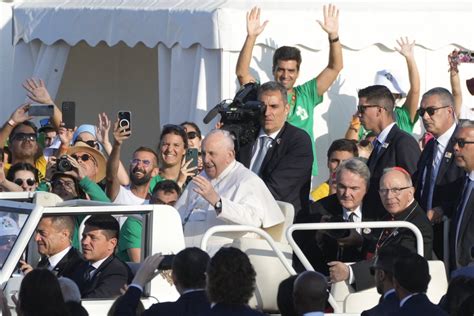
(193, 135)
(90, 143)
(462, 142)
(25, 136)
(136, 161)
(67, 184)
(431, 110)
(394, 191)
(5, 240)
(363, 107)
(83, 157)
(20, 182)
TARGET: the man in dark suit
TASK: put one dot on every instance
(392, 147)
(53, 237)
(102, 275)
(396, 191)
(411, 276)
(282, 154)
(461, 232)
(382, 269)
(346, 205)
(188, 274)
(438, 179)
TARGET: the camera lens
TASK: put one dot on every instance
(124, 123)
(63, 165)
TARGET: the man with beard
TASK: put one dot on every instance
(143, 167)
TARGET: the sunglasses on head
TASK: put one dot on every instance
(25, 136)
(20, 182)
(462, 142)
(83, 157)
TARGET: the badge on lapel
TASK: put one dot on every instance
(385, 145)
(448, 155)
(366, 230)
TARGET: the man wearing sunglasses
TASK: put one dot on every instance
(462, 233)
(392, 147)
(438, 179)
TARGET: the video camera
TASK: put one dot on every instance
(240, 116)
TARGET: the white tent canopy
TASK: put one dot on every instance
(198, 42)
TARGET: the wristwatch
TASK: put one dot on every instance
(218, 206)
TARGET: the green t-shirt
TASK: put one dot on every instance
(402, 117)
(130, 237)
(301, 115)
(154, 181)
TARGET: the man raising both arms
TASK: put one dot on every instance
(286, 65)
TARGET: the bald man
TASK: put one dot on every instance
(397, 195)
(225, 192)
(310, 293)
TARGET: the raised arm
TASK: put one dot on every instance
(455, 82)
(37, 92)
(254, 28)
(406, 49)
(18, 116)
(330, 25)
(113, 184)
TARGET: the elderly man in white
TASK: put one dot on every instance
(224, 193)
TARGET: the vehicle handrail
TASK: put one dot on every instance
(348, 225)
(242, 228)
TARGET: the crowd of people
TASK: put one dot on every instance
(378, 172)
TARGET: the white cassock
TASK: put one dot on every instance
(246, 200)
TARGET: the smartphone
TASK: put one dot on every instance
(166, 263)
(192, 153)
(125, 119)
(69, 114)
(41, 109)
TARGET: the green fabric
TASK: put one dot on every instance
(154, 181)
(93, 190)
(302, 109)
(130, 237)
(402, 117)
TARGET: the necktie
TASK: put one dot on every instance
(376, 149)
(88, 274)
(462, 206)
(263, 148)
(374, 155)
(351, 217)
(44, 263)
(427, 193)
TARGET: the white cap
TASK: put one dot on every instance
(8, 226)
(387, 78)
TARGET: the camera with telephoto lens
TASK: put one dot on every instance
(240, 116)
(63, 164)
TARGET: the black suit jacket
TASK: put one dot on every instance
(419, 305)
(387, 305)
(221, 309)
(399, 150)
(107, 280)
(448, 184)
(67, 266)
(401, 236)
(188, 304)
(286, 168)
(462, 257)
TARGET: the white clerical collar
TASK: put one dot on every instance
(446, 136)
(272, 135)
(382, 137)
(54, 259)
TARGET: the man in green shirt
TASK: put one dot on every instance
(286, 65)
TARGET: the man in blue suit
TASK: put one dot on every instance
(411, 276)
(189, 267)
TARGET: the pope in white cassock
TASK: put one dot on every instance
(224, 193)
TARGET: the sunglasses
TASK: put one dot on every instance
(90, 143)
(20, 182)
(83, 157)
(462, 142)
(363, 107)
(193, 135)
(25, 136)
(431, 110)
(5, 240)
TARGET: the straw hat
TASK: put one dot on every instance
(97, 155)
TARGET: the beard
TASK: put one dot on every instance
(139, 181)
